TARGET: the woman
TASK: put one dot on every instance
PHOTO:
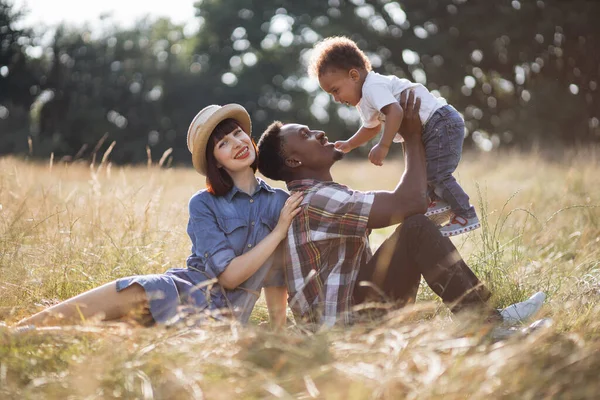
(235, 226)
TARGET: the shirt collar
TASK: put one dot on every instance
(301, 185)
(262, 185)
(265, 186)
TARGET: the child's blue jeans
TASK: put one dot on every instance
(443, 137)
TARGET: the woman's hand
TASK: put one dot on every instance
(288, 212)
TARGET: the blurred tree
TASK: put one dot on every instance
(111, 85)
(247, 52)
(16, 79)
(521, 72)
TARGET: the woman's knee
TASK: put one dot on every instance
(134, 294)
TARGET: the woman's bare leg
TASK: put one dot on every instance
(103, 301)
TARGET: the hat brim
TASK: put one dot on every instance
(203, 132)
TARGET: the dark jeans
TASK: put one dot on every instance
(443, 137)
(417, 249)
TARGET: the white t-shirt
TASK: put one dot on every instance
(378, 91)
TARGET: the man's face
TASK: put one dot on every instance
(344, 86)
(308, 148)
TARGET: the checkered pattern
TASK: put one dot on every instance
(327, 243)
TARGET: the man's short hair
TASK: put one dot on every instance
(271, 162)
(337, 52)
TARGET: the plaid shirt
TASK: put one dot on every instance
(326, 245)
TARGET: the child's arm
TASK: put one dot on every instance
(362, 136)
(393, 119)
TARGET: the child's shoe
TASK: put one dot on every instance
(438, 212)
(437, 207)
(459, 225)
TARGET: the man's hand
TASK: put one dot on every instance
(378, 153)
(343, 146)
(412, 127)
(410, 196)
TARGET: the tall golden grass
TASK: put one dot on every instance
(66, 228)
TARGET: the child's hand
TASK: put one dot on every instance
(377, 154)
(343, 146)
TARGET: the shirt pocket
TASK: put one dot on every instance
(268, 223)
(236, 231)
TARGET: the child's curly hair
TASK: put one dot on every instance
(337, 52)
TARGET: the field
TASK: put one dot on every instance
(66, 228)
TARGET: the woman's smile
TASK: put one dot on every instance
(242, 154)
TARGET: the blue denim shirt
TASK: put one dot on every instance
(225, 227)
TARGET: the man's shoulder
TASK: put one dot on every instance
(313, 190)
(327, 188)
(333, 196)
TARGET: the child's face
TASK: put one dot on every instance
(344, 86)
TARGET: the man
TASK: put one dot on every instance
(328, 249)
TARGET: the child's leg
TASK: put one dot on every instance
(443, 140)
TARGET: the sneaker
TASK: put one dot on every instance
(537, 326)
(16, 330)
(503, 333)
(437, 207)
(520, 312)
(459, 225)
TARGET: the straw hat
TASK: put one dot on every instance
(205, 122)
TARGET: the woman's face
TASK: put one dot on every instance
(235, 151)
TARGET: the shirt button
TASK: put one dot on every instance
(205, 254)
(251, 200)
(249, 245)
(252, 223)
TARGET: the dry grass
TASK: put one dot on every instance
(67, 228)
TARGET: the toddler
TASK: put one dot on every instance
(345, 72)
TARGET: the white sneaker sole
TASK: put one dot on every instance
(461, 230)
(502, 333)
(437, 211)
(442, 218)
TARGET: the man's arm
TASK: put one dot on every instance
(410, 196)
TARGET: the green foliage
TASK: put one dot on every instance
(522, 73)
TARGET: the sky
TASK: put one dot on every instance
(125, 12)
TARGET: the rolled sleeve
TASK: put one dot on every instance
(211, 244)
